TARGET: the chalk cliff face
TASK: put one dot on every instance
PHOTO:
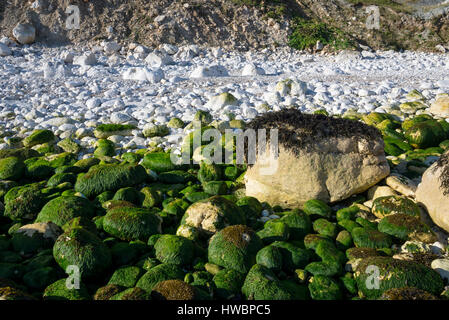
(236, 24)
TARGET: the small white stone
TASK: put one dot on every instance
(4, 50)
(24, 33)
(442, 267)
(111, 47)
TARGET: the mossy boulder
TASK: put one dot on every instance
(407, 293)
(31, 238)
(130, 223)
(159, 130)
(213, 214)
(368, 238)
(228, 283)
(348, 213)
(126, 276)
(325, 227)
(317, 207)
(38, 137)
(22, 153)
(59, 178)
(274, 230)
(299, 224)
(175, 123)
(159, 162)
(23, 203)
(173, 290)
(104, 148)
(40, 278)
(109, 177)
(402, 225)
(161, 272)
(10, 293)
(209, 172)
(250, 206)
(107, 292)
(133, 294)
(129, 194)
(383, 206)
(324, 288)
(262, 284)
(69, 145)
(234, 247)
(84, 249)
(393, 273)
(63, 209)
(59, 291)
(270, 257)
(174, 249)
(11, 168)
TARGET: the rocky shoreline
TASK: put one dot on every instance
(89, 190)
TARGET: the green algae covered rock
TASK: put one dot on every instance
(213, 214)
(234, 247)
(82, 248)
(274, 230)
(270, 257)
(69, 145)
(38, 137)
(174, 290)
(250, 206)
(108, 291)
(209, 172)
(369, 238)
(109, 177)
(174, 249)
(59, 291)
(104, 148)
(63, 209)
(407, 293)
(31, 238)
(10, 293)
(59, 178)
(159, 162)
(402, 225)
(324, 288)
(21, 153)
(40, 278)
(228, 283)
(317, 207)
(360, 253)
(299, 224)
(393, 273)
(129, 194)
(161, 272)
(38, 169)
(325, 227)
(133, 294)
(262, 284)
(130, 223)
(293, 257)
(384, 206)
(11, 168)
(23, 203)
(126, 276)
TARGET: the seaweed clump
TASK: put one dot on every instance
(298, 131)
(443, 163)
